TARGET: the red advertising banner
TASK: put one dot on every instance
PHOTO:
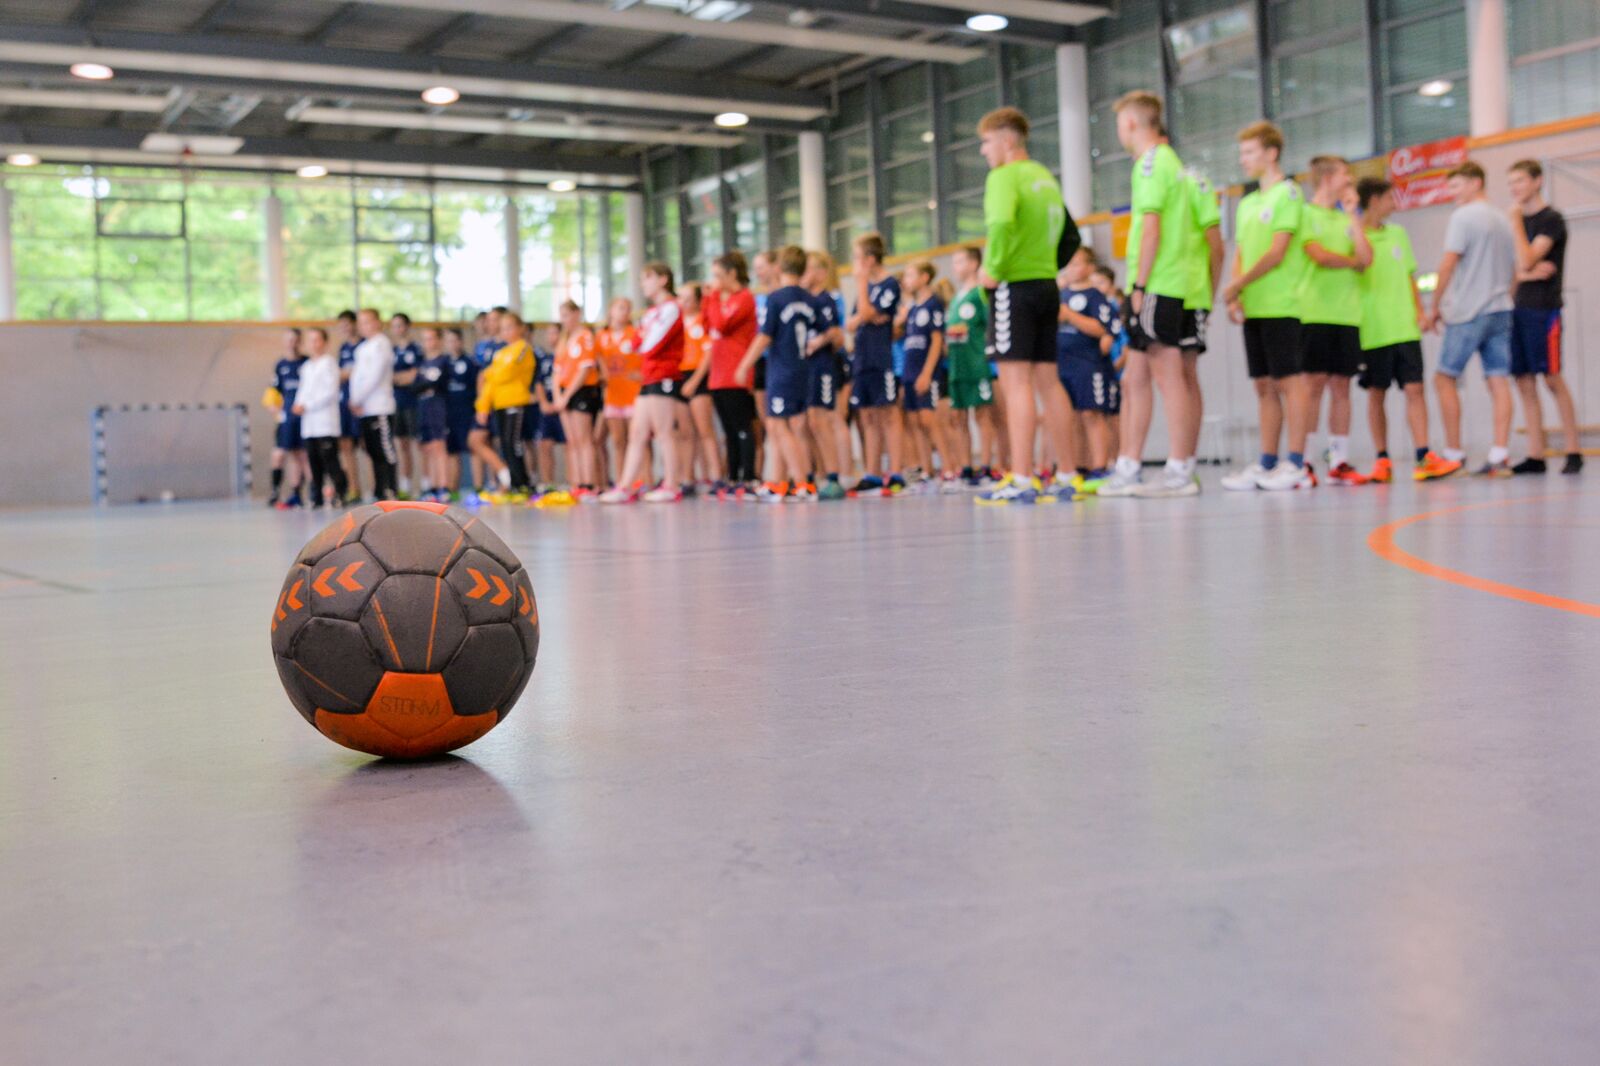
(1421, 191)
(1421, 158)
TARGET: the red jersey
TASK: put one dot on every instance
(661, 343)
(732, 320)
(696, 343)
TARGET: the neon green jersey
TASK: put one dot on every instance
(1204, 213)
(966, 326)
(1262, 216)
(1024, 215)
(1388, 308)
(1159, 188)
(1332, 295)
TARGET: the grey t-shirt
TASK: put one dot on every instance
(1482, 237)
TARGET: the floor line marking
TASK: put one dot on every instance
(60, 586)
(1381, 541)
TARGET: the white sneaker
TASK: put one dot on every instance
(662, 494)
(617, 496)
(1246, 480)
(1120, 484)
(1287, 476)
(1170, 483)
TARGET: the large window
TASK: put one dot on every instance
(1555, 59)
(1320, 79)
(701, 202)
(1216, 82)
(849, 170)
(1125, 54)
(906, 146)
(1423, 47)
(551, 256)
(968, 91)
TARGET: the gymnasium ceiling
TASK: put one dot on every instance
(549, 89)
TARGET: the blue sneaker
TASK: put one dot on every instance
(870, 483)
(470, 499)
(1014, 490)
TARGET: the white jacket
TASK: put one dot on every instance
(319, 395)
(372, 377)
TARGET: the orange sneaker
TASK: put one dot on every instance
(1345, 474)
(1382, 472)
(1434, 466)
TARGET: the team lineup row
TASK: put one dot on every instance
(1032, 331)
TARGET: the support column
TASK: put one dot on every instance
(1488, 67)
(1072, 102)
(273, 277)
(634, 221)
(512, 221)
(8, 272)
(813, 192)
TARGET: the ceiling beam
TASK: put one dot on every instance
(85, 100)
(692, 96)
(1060, 12)
(213, 16)
(434, 40)
(85, 12)
(328, 26)
(649, 51)
(548, 43)
(744, 59)
(645, 20)
(294, 150)
(501, 127)
(924, 15)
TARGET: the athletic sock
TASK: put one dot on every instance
(1297, 458)
(1498, 454)
(1190, 465)
(1422, 452)
(1338, 450)
(1455, 455)
(1127, 465)
(504, 478)
(1268, 460)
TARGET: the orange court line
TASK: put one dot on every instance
(1381, 541)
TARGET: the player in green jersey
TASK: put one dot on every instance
(1268, 269)
(1336, 244)
(1161, 268)
(1205, 216)
(1391, 334)
(972, 393)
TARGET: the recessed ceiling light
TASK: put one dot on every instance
(1437, 87)
(927, 136)
(313, 170)
(91, 71)
(988, 23)
(562, 185)
(729, 120)
(440, 96)
(23, 159)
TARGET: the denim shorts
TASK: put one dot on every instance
(1488, 335)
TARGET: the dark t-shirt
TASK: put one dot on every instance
(1545, 295)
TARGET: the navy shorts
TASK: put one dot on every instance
(1535, 341)
(433, 421)
(548, 427)
(1091, 385)
(787, 390)
(938, 389)
(530, 421)
(405, 422)
(287, 435)
(874, 388)
(349, 425)
(825, 382)
(461, 422)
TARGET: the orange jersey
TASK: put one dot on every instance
(696, 343)
(574, 352)
(618, 350)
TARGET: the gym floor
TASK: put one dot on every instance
(1222, 780)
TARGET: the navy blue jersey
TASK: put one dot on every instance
(791, 322)
(433, 378)
(875, 343)
(286, 378)
(827, 318)
(484, 352)
(1070, 343)
(347, 359)
(407, 356)
(461, 387)
(923, 321)
(544, 370)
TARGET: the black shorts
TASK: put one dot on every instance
(586, 401)
(759, 380)
(1161, 321)
(405, 422)
(1331, 349)
(672, 388)
(1023, 321)
(1272, 347)
(1394, 364)
(1194, 331)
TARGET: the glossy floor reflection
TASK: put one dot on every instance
(1199, 781)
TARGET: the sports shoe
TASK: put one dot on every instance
(1574, 463)
(1013, 490)
(662, 494)
(619, 495)
(1246, 480)
(870, 483)
(1434, 466)
(1286, 476)
(1345, 474)
(1531, 465)
(1495, 470)
(1091, 484)
(1121, 484)
(1169, 483)
(1382, 472)
(772, 492)
(556, 498)
(803, 493)
(894, 486)
(831, 490)
(950, 484)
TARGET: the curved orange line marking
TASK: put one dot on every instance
(1381, 541)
